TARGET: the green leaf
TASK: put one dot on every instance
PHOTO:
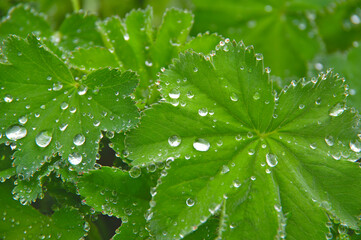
(22, 20)
(137, 47)
(19, 222)
(78, 30)
(93, 58)
(63, 115)
(339, 25)
(6, 170)
(203, 43)
(113, 192)
(281, 30)
(347, 64)
(265, 160)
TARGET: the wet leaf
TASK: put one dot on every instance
(264, 160)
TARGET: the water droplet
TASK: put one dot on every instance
(126, 36)
(236, 183)
(16, 132)
(278, 207)
(57, 86)
(313, 146)
(203, 112)
(63, 127)
(43, 139)
(267, 70)
(174, 141)
(135, 172)
(148, 63)
(174, 94)
(49, 78)
(259, 56)
(329, 141)
(234, 97)
(225, 169)
(201, 145)
(301, 106)
(82, 90)
(190, 202)
(355, 19)
(256, 96)
(72, 109)
(318, 101)
(355, 146)
(250, 135)
(337, 110)
(271, 159)
(22, 120)
(251, 151)
(8, 98)
(79, 139)
(75, 158)
(64, 105)
(195, 69)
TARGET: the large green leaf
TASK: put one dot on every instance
(113, 192)
(282, 30)
(274, 164)
(24, 222)
(46, 111)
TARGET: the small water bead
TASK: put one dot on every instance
(301, 106)
(174, 141)
(126, 37)
(355, 19)
(355, 146)
(256, 96)
(201, 145)
(8, 98)
(79, 139)
(234, 97)
(75, 158)
(49, 78)
(203, 112)
(336, 110)
(82, 90)
(43, 139)
(225, 169)
(151, 167)
(329, 140)
(271, 159)
(190, 202)
(259, 56)
(23, 120)
(96, 123)
(313, 146)
(148, 63)
(318, 101)
(195, 69)
(267, 70)
(250, 135)
(16, 132)
(174, 94)
(236, 183)
(57, 86)
(135, 172)
(63, 127)
(251, 151)
(72, 109)
(64, 105)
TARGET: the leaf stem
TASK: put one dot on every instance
(76, 5)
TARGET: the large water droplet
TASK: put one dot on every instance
(271, 159)
(16, 132)
(135, 172)
(355, 146)
(201, 145)
(8, 98)
(337, 110)
(190, 202)
(174, 141)
(79, 139)
(203, 112)
(43, 139)
(75, 158)
(174, 94)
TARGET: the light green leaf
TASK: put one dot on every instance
(113, 192)
(137, 47)
(78, 30)
(93, 58)
(63, 115)
(284, 31)
(203, 43)
(22, 20)
(6, 170)
(265, 160)
(19, 222)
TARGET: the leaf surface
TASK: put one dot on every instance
(265, 161)
(19, 222)
(63, 115)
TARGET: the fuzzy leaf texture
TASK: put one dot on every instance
(45, 110)
(271, 165)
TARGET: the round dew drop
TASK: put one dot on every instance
(135, 172)
(190, 202)
(82, 90)
(336, 110)
(271, 159)
(174, 141)
(43, 139)
(16, 132)
(201, 145)
(75, 158)
(79, 139)
(203, 112)
(174, 94)
(355, 146)
(8, 98)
